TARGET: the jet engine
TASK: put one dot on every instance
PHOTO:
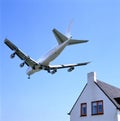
(53, 71)
(22, 64)
(12, 55)
(70, 69)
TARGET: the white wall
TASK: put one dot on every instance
(93, 93)
(118, 115)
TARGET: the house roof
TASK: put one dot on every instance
(112, 92)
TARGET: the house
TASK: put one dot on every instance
(98, 101)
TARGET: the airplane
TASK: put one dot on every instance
(44, 62)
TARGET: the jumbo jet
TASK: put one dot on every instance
(44, 62)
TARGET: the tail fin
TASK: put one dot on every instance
(62, 38)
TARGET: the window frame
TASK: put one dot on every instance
(82, 113)
(97, 107)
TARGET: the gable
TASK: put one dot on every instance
(110, 92)
(98, 90)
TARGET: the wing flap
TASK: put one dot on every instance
(67, 65)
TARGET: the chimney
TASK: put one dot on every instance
(91, 77)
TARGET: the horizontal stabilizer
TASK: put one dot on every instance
(75, 41)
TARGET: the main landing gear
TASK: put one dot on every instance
(29, 77)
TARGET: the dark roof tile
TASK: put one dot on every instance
(110, 91)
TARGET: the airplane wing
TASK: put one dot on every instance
(27, 60)
(70, 66)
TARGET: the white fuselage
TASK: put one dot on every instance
(50, 56)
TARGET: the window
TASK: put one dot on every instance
(83, 109)
(97, 107)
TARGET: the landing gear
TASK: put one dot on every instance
(48, 71)
(29, 77)
(12, 55)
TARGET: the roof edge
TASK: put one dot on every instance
(107, 95)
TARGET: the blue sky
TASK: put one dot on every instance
(29, 24)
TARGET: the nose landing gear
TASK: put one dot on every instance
(29, 77)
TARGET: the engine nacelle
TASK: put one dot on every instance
(22, 64)
(53, 71)
(70, 69)
(49, 71)
(12, 55)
